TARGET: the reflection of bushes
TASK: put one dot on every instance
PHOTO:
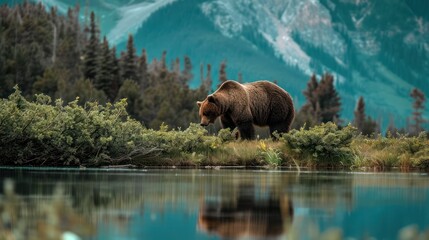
(32, 218)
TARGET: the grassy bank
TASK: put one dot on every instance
(42, 133)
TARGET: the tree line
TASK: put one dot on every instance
(323, 104)
(43, 51)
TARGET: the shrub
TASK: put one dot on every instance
(324, 144)
(272, 156)
(38, 133)
(226, 135)
(403, 152)
(176, 142)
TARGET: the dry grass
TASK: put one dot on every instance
(405, 153)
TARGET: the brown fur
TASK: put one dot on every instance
(241, 105)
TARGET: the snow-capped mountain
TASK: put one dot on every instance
(276, 21)
(378, 49)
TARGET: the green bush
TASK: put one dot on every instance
(227, 135)
(39, 133)
(324, 144)
(176, 142)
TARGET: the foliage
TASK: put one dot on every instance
(222, 74)
(106, 78)
(90, 62)
(328, 99)
(129, 61)
(364, 124)
(44, 52)
(323, 102)
(37, 133)
(271, 155)
(403, 152)
(226, 135)
(324, 144)
(43, 133)
(176, 142)
(418, 106)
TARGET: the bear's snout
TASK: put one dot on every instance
(204, 123)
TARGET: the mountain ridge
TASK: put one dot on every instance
(375, 49)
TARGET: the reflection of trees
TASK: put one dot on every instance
(246, 214)
(323, 191)
(32, 217)
(113, 197)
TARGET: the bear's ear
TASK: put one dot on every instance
(199, 103)
(211, 99)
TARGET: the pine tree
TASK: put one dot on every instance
(104, 78)
(323, 102)
(208, 81)
(187, 71)
(418, 106)
(201, 72)
(143, 70)
(312, 106)
(311, 92)
(131, 91)
(164, 60)
(68, 51)
(309, 114)
(91, 51)
(164, 71)
(370, 127)
(359, 114)
(116, 75)
(87, 92)
(329, 100)
(222, 73)
(176, 66)
(365, 124)
(129, 61)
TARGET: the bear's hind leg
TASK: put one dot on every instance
(247, 131)
(279, 128)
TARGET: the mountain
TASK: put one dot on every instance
(378, 49)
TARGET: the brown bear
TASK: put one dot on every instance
(241, 105)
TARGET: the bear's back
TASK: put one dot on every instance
(268, 102)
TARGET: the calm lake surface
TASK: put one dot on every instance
(210, 204)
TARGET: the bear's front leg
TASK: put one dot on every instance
(247, 131)
(227, 122)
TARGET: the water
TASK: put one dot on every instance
(210, 204)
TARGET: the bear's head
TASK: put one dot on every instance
(209, 110)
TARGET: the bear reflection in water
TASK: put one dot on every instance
(246, 215)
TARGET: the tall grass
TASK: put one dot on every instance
(404, 152)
